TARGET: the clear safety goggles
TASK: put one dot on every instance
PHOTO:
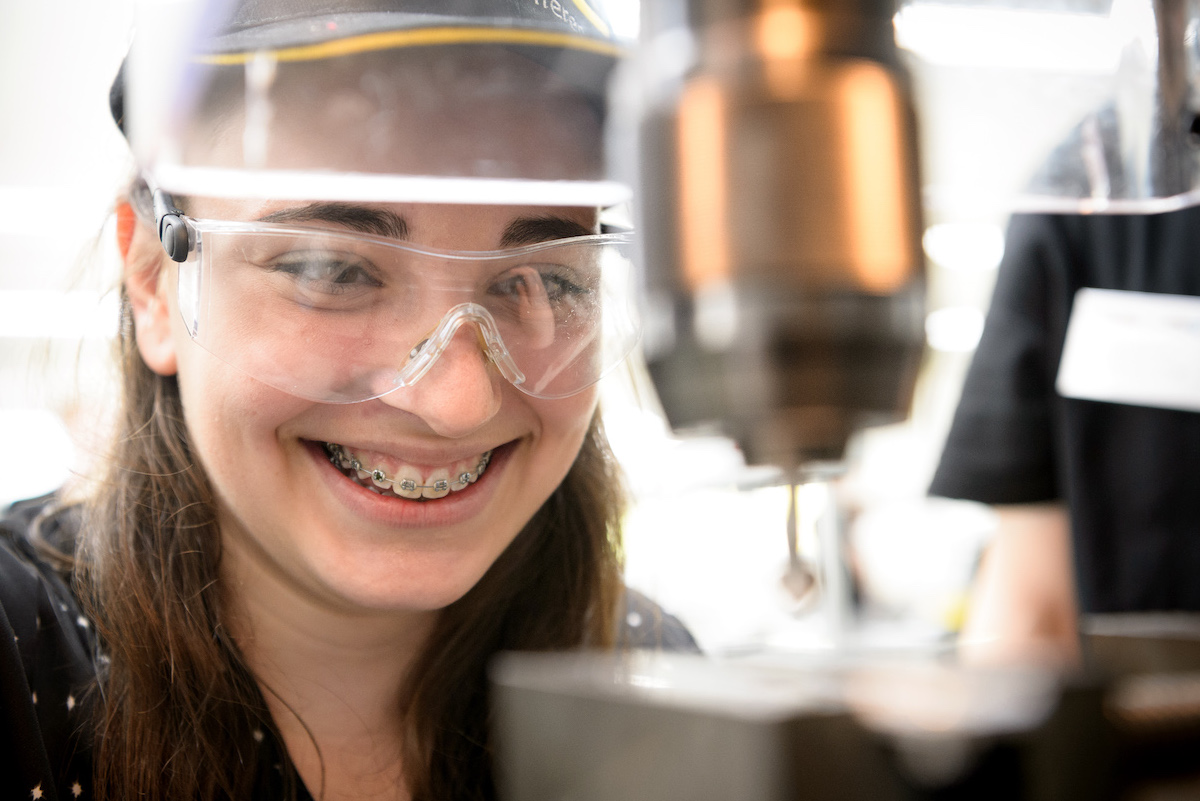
(341, 317)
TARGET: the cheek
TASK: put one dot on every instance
(232, 419)
(214, 392)
(564, 424)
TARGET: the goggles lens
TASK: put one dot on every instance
(341, 317)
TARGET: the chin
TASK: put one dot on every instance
(421, 585)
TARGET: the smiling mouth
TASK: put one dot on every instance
(408, 482)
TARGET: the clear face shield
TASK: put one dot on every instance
(315, 134)
(1069, 106)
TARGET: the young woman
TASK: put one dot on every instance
(359, 450)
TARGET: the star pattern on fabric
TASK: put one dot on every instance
(49, 657)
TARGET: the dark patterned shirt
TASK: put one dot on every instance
(50, 660)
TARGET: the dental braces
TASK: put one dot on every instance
(338, 456)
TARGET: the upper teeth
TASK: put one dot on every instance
(407, 481)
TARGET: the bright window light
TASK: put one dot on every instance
(1026, 39)
(34, 431)
(624, 16)
(965, 246)
(955, 329)
(45, 314)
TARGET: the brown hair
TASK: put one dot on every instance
(177, 708)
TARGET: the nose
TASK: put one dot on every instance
(460, 393)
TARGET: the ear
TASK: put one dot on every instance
(145, 283)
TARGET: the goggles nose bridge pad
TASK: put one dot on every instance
(423, 356)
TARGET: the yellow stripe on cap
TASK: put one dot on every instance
(592, 17)
(387, 40)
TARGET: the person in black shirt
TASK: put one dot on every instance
(1097, 504)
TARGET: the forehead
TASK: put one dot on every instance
(460, 111)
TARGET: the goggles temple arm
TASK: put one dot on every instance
(172, 231)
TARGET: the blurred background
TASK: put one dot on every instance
(61, 162)
(706, 535)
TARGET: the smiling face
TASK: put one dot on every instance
(298, 522)
(288, 509)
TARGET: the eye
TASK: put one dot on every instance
(539, 284)
(328, 272)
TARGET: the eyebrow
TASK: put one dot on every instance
(531, 230)
(364, 219)
(381, 222)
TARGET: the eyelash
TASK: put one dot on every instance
(296, 268)
(565, 286)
